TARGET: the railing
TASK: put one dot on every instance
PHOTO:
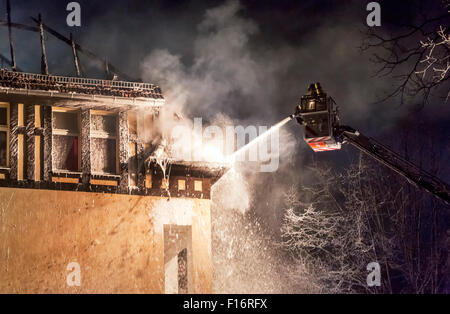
(51, 79)
(80, 85)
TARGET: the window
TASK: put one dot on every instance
(4, 135)
(197, 185)
(65, 143)
(132, 123)
(181, 185)
(103, 142)
(132, 152)
(133, 164)
(148, 127)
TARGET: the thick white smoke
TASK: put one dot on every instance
(224, 67)
(244, 261)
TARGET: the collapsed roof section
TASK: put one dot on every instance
(66, 90)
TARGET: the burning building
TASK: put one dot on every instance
(77, 185)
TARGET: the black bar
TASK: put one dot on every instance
(44, 65)
(11, 45)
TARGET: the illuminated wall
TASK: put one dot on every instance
(76, 187)
(118, 241)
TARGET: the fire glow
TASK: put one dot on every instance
(223, 143)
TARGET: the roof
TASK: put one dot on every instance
(212, 170)
(76, 85)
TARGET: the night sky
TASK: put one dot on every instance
(292, 44)
(248, 60)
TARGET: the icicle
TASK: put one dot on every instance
(162, 159)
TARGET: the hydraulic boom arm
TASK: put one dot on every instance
(394, 161)
(318, 114)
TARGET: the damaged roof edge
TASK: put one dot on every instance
(68, 98)
(212, 170)
(70, 87)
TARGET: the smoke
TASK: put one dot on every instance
(225, 75)
(247, 260)
(232, 192)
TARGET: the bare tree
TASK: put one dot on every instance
(416, 55)
(330, 240)
(343, 221)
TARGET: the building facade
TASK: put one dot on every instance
(80, 197)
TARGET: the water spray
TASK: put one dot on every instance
(263, 136)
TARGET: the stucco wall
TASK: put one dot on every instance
(116, 239)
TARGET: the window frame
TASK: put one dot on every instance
(6, 128)
(198, 185)
(105, 135)
(67, 132)
(181, 183)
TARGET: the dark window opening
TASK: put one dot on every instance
(103, 123)
(177, 263)
(65, 121)
(103, 155)
(65, 140)
(3, 116)
(3, 149)
(65, 152)
(132, 123)
(103, 143)
(133, 164)
(182, 272)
